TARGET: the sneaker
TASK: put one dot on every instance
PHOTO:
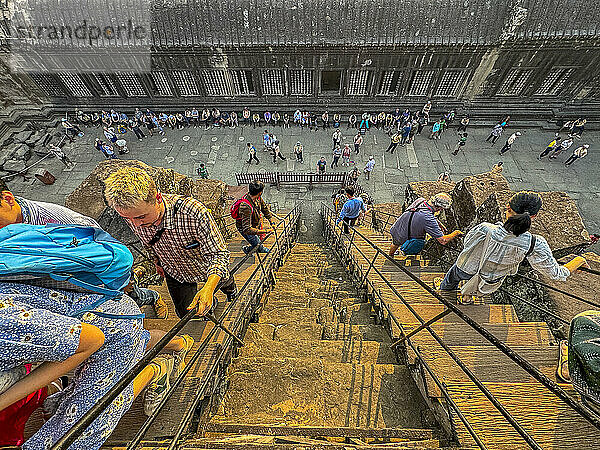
(562, 368)
(161, 308)
(450, 296)
(179, 357)
(263, 249)
(246, 249)
(159, 385)
(232, 295)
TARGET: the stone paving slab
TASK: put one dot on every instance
(223, 152)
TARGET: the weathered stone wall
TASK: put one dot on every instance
(88, 197)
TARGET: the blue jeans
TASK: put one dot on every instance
(254, 240)
(143, 296)
(453, 277)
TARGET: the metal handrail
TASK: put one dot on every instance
(522, 362)
(200, 393)
(118, 387)
(510, 419)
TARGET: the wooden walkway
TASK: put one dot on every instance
(547, 419)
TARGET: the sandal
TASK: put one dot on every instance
(563, 359)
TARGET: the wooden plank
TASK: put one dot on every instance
(522, 334)
(480, 313)
(551, 422)
(311, 431)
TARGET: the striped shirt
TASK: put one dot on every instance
(191, 247)
(41, 213)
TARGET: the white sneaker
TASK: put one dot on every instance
(160, 384)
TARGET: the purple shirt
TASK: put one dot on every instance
(423, 222)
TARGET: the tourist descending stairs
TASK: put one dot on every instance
(316, 371)
(441, 357)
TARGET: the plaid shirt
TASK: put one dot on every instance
(192, 226)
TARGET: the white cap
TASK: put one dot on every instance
(518, 133)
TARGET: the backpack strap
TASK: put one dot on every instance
(161, 230)
(531, 246)
(412, 213)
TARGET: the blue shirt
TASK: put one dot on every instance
(352, 209)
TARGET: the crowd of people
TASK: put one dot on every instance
(48, 330)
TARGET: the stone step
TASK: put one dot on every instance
(345, 331)
(285, 332)
(294, 443)
(272, 391)
(257, 436)
(547, 419)
(350, 351)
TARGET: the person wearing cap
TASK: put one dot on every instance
(408, 232)
(509, 142)
(579, 152)
(505, 245)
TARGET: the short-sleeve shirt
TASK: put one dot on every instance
(423, 222)
(321, 164)
(42, 213)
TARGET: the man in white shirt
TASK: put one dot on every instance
(509, 142)
(369, 167)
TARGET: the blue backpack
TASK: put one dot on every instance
(86, 257)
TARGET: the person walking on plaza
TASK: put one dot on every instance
(495, 133)
(435, 130)
(346, 155)
(509, 142)
(185, 242)
(337, 153)
(321, 166)
(369, 167)
(464, 123)
(578, 127)
(352, 209)
(421, 123)
(409, 230)
(266, 141)
(336, 138)
(358, 140)
(277, 152)
(365, 119)
(354, 175)
(255, 120)
(248, 213)
(563, 147)
(579, 152)
(134, 125)
(297, 117)
(494, 251)
(462, 140)
(550, 147)
(405, 133)
(202, 171)
(427, 108)
(252, 154)
(246, 115)
(394, 141)
(298, 148)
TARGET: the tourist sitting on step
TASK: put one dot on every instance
(19, 210)
(352, 209)
(183, 237)
(579, 358)
(248, 213)
(409, 230)
(493, 252)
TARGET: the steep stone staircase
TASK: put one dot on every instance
(316, 370)
(547, 419)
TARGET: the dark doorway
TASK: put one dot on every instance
(331, 80)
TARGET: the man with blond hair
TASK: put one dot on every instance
(183, 238)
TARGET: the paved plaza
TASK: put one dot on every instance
(224, 153)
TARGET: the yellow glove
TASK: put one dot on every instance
(453, 235)
(575, 263)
